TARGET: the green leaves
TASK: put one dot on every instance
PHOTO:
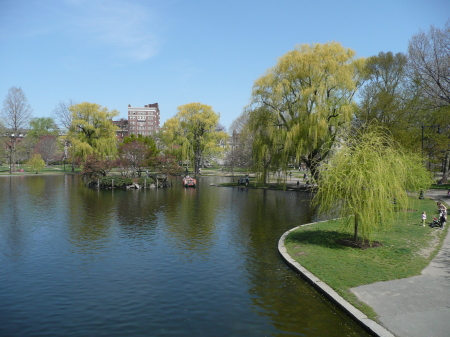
(193, 133)
(300, 104)
(92, 130)
(42, 126)
(367, 178)
(36, 163)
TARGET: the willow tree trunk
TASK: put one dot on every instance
(197, 162)
(355, 238)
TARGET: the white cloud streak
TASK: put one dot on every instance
(126, 27)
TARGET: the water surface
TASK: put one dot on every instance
(166, 262)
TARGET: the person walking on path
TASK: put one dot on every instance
(424, 218)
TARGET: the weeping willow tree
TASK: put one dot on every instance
(299, 105)
(193, 133)
(366, 180)
(92, 130)
(268, 142)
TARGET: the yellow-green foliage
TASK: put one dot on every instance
(92, 130)
(193, 131)
(36, 163)
(299, 104)
(366, 180)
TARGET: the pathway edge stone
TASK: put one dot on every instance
(368, 324)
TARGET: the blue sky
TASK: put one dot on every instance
(174, 52)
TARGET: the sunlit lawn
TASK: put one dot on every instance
(406, 249)
(4, 169)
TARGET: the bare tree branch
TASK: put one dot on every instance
(429, 61)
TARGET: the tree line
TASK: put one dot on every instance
(299, 110)
(84, 134)
(363, 127)
(302, 106)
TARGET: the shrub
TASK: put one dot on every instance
(150, 180)
(119, 182)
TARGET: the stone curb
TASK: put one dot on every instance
(369, 325)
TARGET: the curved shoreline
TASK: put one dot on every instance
(368, 324)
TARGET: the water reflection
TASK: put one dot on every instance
(190, 220)
(13, 238)
(173, 261)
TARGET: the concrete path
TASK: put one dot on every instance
(418, 306)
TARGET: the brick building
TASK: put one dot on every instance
(143, 120)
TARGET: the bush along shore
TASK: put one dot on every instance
(113, 182)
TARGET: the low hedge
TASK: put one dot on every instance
(119, 182)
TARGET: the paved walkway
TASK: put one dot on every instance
(417, 306)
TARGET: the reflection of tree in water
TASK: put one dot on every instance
(276, 291)
(36, 188)
(13, 230)
(190, 220)
(91, 216)
(44, 192)
(138, 212)
(25, 198)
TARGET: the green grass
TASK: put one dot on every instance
(441, 187)
(51, 169)
(406, 249)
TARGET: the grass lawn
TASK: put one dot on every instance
(441, 187)
(406, 249)
(51, 169)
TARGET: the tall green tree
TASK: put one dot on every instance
(43, 126)
(92, 130)
(366, 180)
(43, 136)
(268, 146)
(299, 105)
(194, 131)
(148, 141)
(389, 97)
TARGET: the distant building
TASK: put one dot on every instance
(143, 120)
(122, 130)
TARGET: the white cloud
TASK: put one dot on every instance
(129, 28)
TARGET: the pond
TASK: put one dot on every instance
(157, 262)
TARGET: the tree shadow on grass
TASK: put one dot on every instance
(315, 237)
(328, 239)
